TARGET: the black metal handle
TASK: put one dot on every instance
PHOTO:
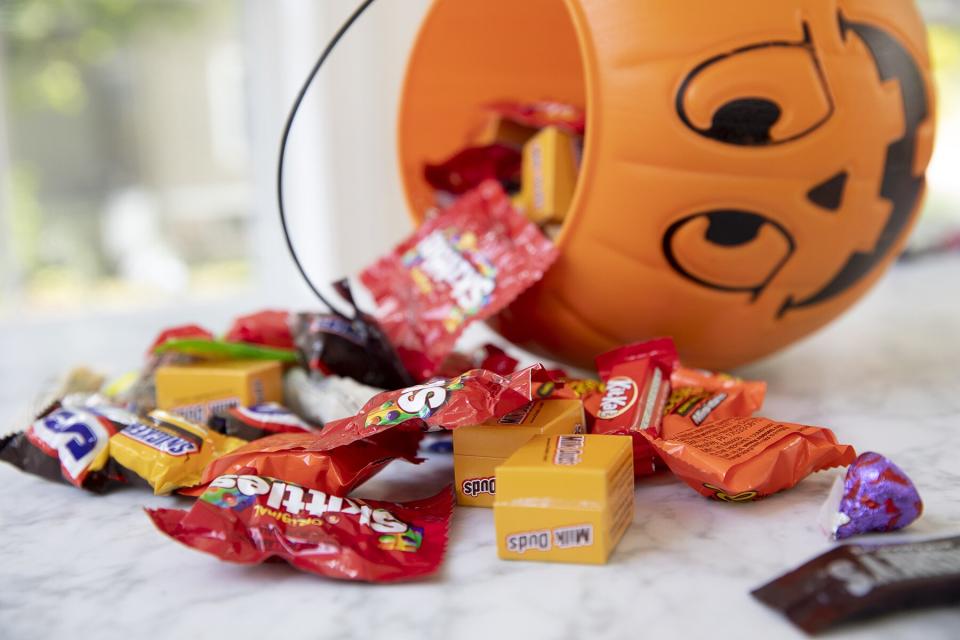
(286, 136)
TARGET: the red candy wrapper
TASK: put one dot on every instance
(498, 361)
(542, 114)
(268, 328)
(701, 397)
(249, 519)
(471, 167)
(490, 357)
(637, 385)
(462, 266)
(469, 399)
(297, 458)
(186, 331)
(744, 459)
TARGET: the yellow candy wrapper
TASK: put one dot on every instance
(169, 452)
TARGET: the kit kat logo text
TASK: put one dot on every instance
(621, 394)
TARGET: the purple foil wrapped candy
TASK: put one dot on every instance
(874, 496)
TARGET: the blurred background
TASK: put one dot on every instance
(138, 146)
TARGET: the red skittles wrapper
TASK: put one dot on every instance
(637, 385)
(538, 115)
(471, 167)
(298, 458)
(461, 266)
(700, 397)
(469, 399)
(249, 518)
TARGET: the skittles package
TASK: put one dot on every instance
(464, 265)
(167, 451)
(470, 399)
(249, 518)
(296, 457)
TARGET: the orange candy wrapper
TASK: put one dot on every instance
(700, 397)
(744, 459)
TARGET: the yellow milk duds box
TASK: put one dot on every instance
(565, 498)
(550, 167)
(477, 450)
(196, 391)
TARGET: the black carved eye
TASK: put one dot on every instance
(744, 122)
(767, 93)
(732, 228)
(728, 249)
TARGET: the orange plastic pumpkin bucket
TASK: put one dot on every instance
(750, 168)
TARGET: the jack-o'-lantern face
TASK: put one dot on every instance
(850, 86)
(750, 167)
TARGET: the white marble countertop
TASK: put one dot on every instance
(885, 378)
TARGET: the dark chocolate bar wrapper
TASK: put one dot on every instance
(18, 450)
(858, 581)
(259, 421)
(353, 347)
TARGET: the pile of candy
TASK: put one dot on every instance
(273, 426)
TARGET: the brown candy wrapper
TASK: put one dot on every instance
(354, 347)
(859, 581)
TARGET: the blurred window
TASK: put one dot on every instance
(125, 150)
(941, 221)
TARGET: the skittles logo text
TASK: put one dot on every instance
(420, 401)
(453, 260)
(295, 506)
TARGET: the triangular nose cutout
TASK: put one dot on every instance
(829, 195)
